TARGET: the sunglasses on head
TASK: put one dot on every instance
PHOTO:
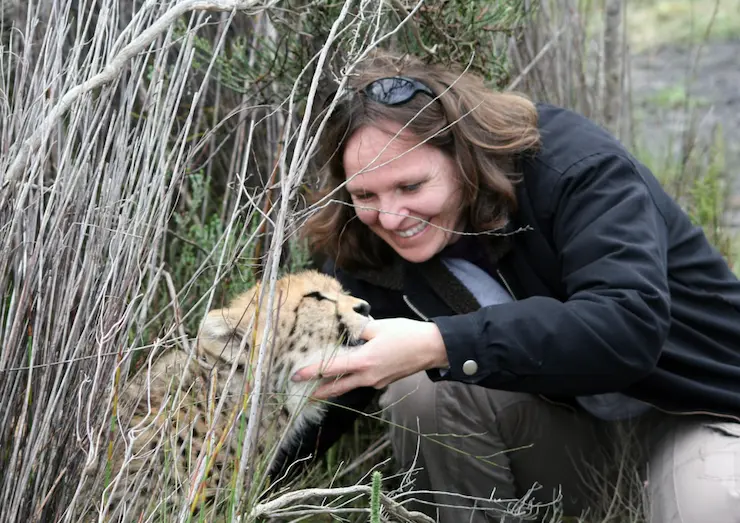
(395, 90)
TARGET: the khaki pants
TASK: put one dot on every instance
(497, 445)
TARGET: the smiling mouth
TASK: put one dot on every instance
(408, 233)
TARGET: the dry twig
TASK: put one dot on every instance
(277, 506)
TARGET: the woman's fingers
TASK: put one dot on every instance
(342, 374)
(369, 332)
(337, 366)
(315, 372)
(337, 386)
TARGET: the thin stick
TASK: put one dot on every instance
(392, 507)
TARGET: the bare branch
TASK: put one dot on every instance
(389, 505)
(613, 70)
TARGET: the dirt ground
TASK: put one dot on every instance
(662, 78)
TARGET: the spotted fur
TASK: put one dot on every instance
(174, 397)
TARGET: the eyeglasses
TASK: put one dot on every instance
(395, 90)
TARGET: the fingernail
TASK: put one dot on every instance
(296, 377)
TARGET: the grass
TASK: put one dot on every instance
(653, 23)
(693, 170)
(676, 97)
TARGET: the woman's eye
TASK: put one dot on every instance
(362, 196)
(410, 187)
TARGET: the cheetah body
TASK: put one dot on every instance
(175, 420)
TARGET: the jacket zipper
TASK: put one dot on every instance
(506, 284)
(413, 308)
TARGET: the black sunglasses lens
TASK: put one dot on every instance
(396, 90)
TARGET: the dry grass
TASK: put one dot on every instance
(103, 143)
(87, 193)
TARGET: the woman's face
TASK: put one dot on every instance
(408, 194)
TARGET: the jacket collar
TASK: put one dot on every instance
(430, 285)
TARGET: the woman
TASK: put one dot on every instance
(535, 294)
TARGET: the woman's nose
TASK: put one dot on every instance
(391, 218)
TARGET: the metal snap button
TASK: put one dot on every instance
(470, 367)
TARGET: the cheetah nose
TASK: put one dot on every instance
(362, 308)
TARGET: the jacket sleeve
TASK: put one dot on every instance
(611, 240)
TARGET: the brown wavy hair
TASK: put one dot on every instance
(481, 129)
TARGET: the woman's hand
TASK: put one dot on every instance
(395, 348)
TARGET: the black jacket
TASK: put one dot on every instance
(615, 289)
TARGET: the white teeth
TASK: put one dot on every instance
(410, 232)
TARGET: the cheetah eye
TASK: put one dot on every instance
(316, 295)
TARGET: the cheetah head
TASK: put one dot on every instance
(313, 320)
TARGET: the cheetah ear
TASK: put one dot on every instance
(221, 336)
(218, 325)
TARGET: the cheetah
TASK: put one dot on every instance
(174, 398)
